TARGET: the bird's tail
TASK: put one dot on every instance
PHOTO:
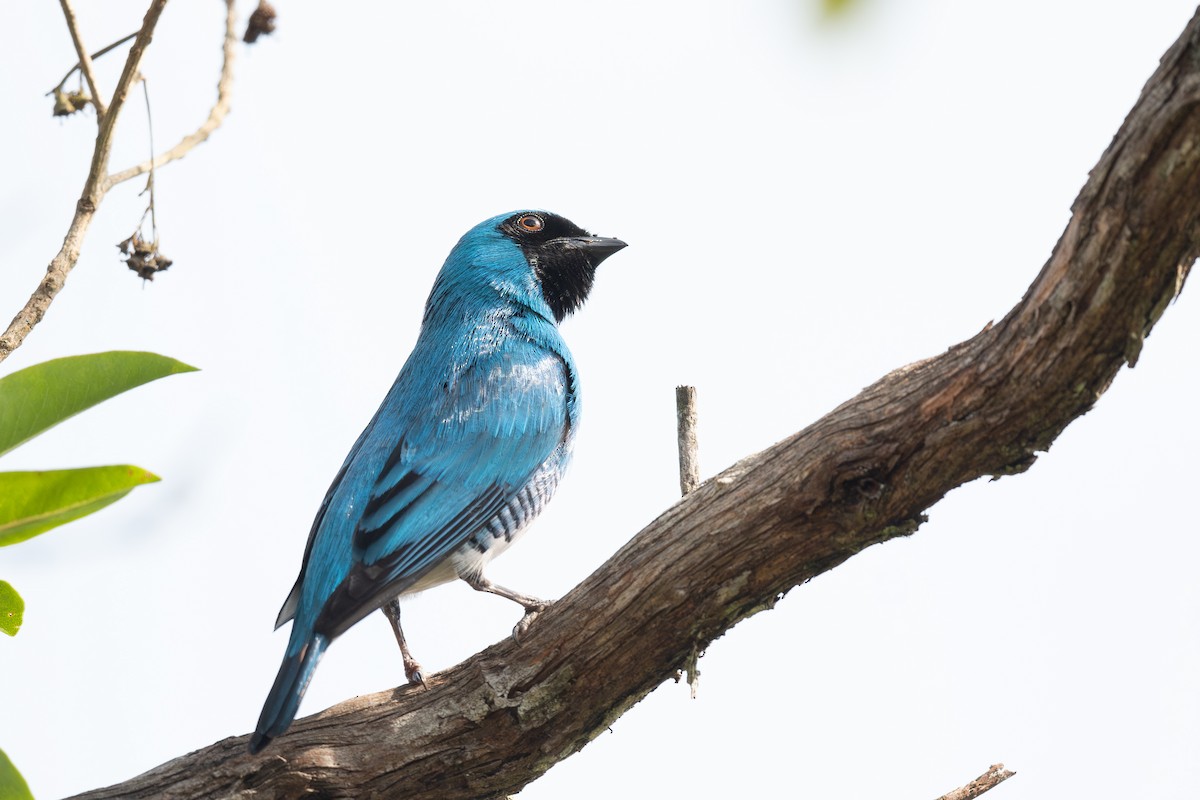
(291, 682)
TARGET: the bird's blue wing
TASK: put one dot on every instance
(498, 422)
(445, 468)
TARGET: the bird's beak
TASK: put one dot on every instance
(597, 248)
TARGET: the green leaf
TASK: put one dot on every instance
(12, 785)
(12, 613)
(833, 8)
(39, 397)
(34, 502)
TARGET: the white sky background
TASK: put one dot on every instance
(808, 206)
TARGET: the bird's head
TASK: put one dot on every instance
(532, 256)
(563, 256)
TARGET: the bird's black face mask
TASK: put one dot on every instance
(563, 255)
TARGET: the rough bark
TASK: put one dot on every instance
(863, 474)
(995, 776)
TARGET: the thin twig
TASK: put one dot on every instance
(95, 55)
(689, 479)
(94, 189)
(215, 117)
(150, 181)
(85, 61)
(995, 775)
(689, 460)
(99, 182)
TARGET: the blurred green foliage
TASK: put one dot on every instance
(12, 785)
(36, 399)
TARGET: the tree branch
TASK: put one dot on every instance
(689, 449)
(93, 193)
(85, 61)
(995, 775)
(216, 115)
(98, 181)
(95, 55)
(859, 476)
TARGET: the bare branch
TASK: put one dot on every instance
(93, 192)
(85, 61)
(689, 458)
(995, 775)
(863, 474)
(98, 181)
(215, 116)
(689, 480)
(95, 55)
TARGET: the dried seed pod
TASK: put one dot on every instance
(67, 103)
(262, 22)
(143, 257)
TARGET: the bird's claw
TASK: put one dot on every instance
(412, 671)
(531, 613)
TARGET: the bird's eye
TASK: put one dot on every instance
(531, 222)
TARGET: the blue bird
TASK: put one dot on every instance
(466, 449)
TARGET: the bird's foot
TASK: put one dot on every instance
(412, 671)
(531, 613)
